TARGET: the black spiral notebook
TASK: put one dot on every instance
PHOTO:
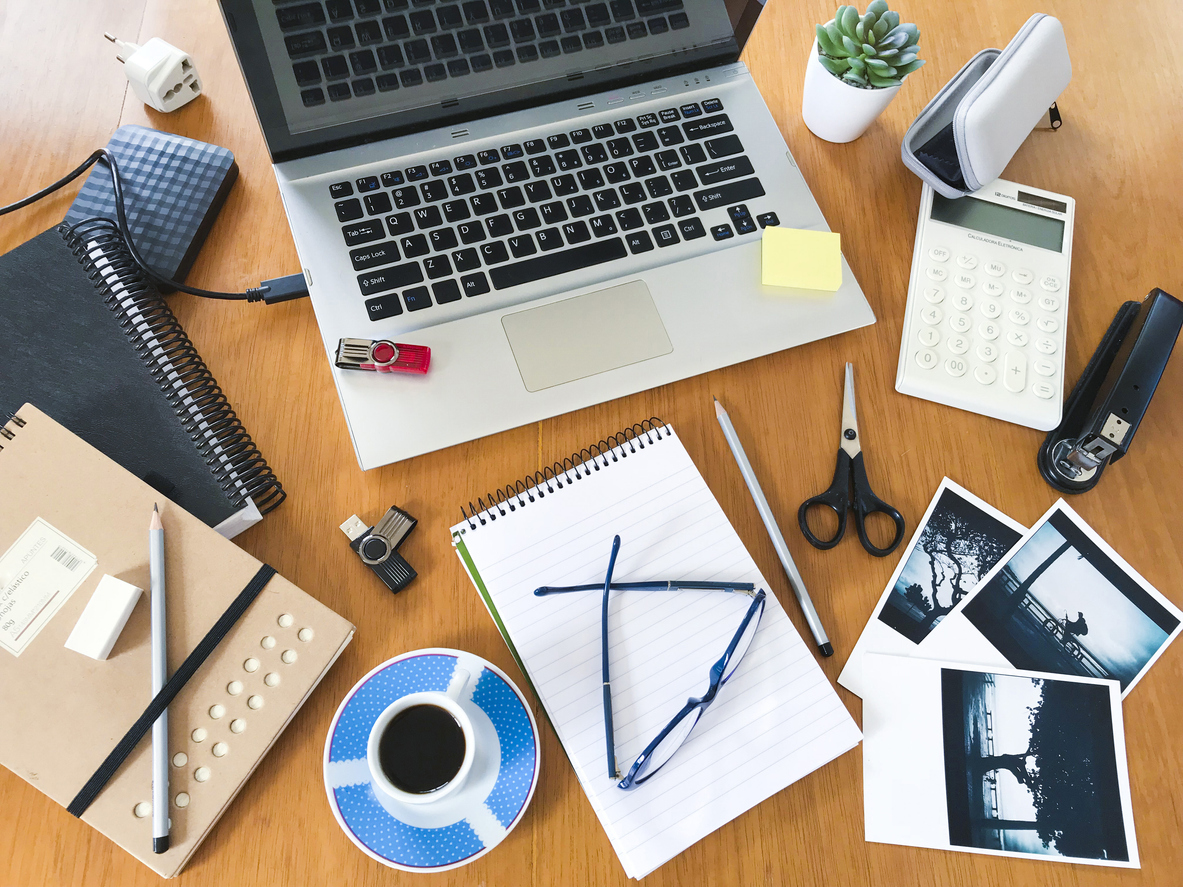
(84, 337)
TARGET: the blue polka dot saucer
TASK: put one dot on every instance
(471, 821)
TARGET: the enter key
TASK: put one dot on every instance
(732, 168)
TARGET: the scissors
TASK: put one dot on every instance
(850, 487)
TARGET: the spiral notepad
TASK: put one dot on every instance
(775, 721)
(86, 338)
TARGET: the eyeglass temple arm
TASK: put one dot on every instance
(609, 735)
(663, 585)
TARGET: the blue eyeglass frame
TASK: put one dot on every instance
(700, 704)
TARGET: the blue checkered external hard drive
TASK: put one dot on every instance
(173, 188)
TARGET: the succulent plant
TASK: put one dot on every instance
(873, 50)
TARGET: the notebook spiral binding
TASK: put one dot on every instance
(571, 469)
(8, 433)
(176, 366)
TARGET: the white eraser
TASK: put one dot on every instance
(104, 617)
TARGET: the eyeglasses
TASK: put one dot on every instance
(658, 752)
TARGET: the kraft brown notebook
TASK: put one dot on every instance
(68, 515)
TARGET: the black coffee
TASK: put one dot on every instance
(422, 749)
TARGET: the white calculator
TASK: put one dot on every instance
(985, 323)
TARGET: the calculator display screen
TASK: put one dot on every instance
(1001, 221)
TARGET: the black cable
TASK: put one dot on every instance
(277, 290)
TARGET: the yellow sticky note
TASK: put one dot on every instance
(809, 260)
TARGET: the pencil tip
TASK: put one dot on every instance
(155, 508)
(155, 524)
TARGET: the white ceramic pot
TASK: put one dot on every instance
(838, 111)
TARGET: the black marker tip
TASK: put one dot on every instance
(826, 649)
(160, 845)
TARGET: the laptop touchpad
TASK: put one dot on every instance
(585, 335)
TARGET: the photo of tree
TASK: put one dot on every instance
(1031, 766)
(956, 547)
(1061, 604)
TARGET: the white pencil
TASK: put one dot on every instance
(160, 839)
(778, 541)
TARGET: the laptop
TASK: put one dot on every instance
(563, 199)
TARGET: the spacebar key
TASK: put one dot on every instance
(731, 193)
(549, 265)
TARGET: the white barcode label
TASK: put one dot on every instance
(38, 574)
(67, 560)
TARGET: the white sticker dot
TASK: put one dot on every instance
(142, 809)
(286, 620)
(237, 725)
(199, 734)
(180, 759)
(289, 656)
(251, 665)
(305, 634)
(272, 680)
(268, 642)
(234, 688)
(216, 711)
(255, 702)
(182, 799)
(201, 774)
(220, 749)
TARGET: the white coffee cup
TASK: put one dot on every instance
(446, 701)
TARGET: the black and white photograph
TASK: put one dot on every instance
(1065, 603)
(1031, 766)
(956, 546)
(996, 761)
(959, 538)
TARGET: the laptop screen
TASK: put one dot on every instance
(326, 74)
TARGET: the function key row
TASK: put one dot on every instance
(670, 136)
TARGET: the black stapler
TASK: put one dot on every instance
(1103, 412)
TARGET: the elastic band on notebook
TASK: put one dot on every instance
(168, 692)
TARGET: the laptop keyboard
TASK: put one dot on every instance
(502, 217)
(341, 49)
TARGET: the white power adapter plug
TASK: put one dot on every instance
(162, 76)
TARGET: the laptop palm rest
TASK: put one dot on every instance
(586, 335)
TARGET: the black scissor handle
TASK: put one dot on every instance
(836, 498)
(866, 502)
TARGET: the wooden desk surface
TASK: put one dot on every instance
(1117, 154)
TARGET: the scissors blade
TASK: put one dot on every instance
(850, 437)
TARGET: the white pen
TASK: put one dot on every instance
(778, 541)
(159, 668)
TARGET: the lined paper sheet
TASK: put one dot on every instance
(775, 721)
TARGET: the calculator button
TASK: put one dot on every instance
(1043, 389)
(967, 262)
(1051, 284)
(958, 345)
(1048, 303)
(993, 288)
(1014, 371)
(955, 366)
(988, 331)
(938, 254)
(995, 269)
(1047, 324)
(932, 315)
(990, 309)
(1022, 275)
(934, 294)
(960, 323)
(1045, 366)
(936, 273)
(988, 352)
(1045, 346)
(926, 358)
(985, 374)
(1020, 295)
(962, 301)
(965, 280)
(1018, 338)
(1019, 316)
(928, 336)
